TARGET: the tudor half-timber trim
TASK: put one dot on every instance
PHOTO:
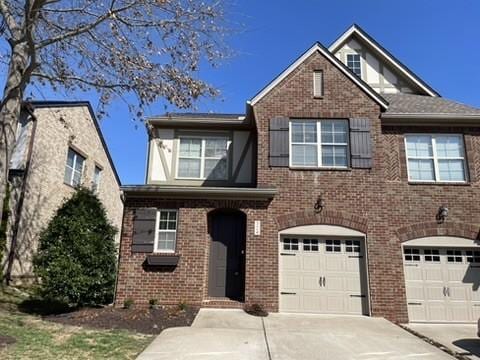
(324, 51)
(394, 62)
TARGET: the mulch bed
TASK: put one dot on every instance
(6, 340)
(147, 321)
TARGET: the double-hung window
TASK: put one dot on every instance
(354, 63)
(439, 157)
(73, 168)
(166, 236)
(319, 143)
(203, 158)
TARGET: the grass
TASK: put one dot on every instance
(40, 339)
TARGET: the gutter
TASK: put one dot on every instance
(198, 192)
(431, 119)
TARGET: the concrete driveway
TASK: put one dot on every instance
(234, 335)
(461, 339)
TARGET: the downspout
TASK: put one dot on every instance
(19, 207)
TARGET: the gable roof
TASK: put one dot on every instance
(409, 105)
(324, 51)
(54, 103)
(384, 53)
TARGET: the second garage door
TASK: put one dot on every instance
(320, 275)
(442, 283)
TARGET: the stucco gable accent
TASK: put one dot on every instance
(357, 32)
(337, 63)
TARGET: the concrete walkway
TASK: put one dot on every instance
(462, 339)
(234, 335)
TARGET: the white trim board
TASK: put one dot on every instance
(318, 47)
(355, 30)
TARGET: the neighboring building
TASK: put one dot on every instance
(349, 186)
(59, 146)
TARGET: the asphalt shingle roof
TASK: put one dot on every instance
(419, 104)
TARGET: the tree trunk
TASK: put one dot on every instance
(10, 110)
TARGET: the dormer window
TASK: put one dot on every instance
(354, 63)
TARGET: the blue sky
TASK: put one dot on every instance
(438, 39)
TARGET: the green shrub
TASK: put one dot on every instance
(182, 306)
(76, 256)
(153, 303)
(127, 304)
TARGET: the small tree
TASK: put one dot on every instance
(76, 257)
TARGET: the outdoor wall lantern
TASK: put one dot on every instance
(442, 214)
(319, 204)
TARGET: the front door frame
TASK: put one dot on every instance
(239, 249)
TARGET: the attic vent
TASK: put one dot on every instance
(318, 83)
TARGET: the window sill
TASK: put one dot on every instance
(439, 183)
(70, 186)
(320, 168)
(318, 97)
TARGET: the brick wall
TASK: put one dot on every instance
(378, 201)
(58, 128)
(380, 195)
(187, 282)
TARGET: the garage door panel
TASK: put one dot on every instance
(290, 282)
(290, 302)
(311, 282)
(312, 302)
(413, 272)
(439, 284)
(311, 263)
(476, 310)
(459, 293)
(335, 303)
(355, 304)
(434, 293)
(436, 311)
(353, 286)
(415, 293)
(457, 273)
(322, 274)
(290, 262)
(418, 312)
(335, 283)
(334, 263)
(433, 274)
(460, 312)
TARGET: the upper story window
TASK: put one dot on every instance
(318, 83)
(166, 236)
(436, 157)
(354, 63)
(74, 168)
(203, 158)
(319, 143)
(97, 174)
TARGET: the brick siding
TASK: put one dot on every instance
(378, 201)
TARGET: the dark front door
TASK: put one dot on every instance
(227, 255)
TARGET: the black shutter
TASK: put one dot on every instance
(279, 145)
(360, 144)
(144, 230)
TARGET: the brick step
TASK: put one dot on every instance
(224, 303)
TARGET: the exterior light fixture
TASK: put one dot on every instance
(319, 204)
(442, 214)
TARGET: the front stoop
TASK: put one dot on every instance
(222, 303)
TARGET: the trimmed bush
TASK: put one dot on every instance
(76, 257)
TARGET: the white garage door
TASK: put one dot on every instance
(322, 275)
(442, 284)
